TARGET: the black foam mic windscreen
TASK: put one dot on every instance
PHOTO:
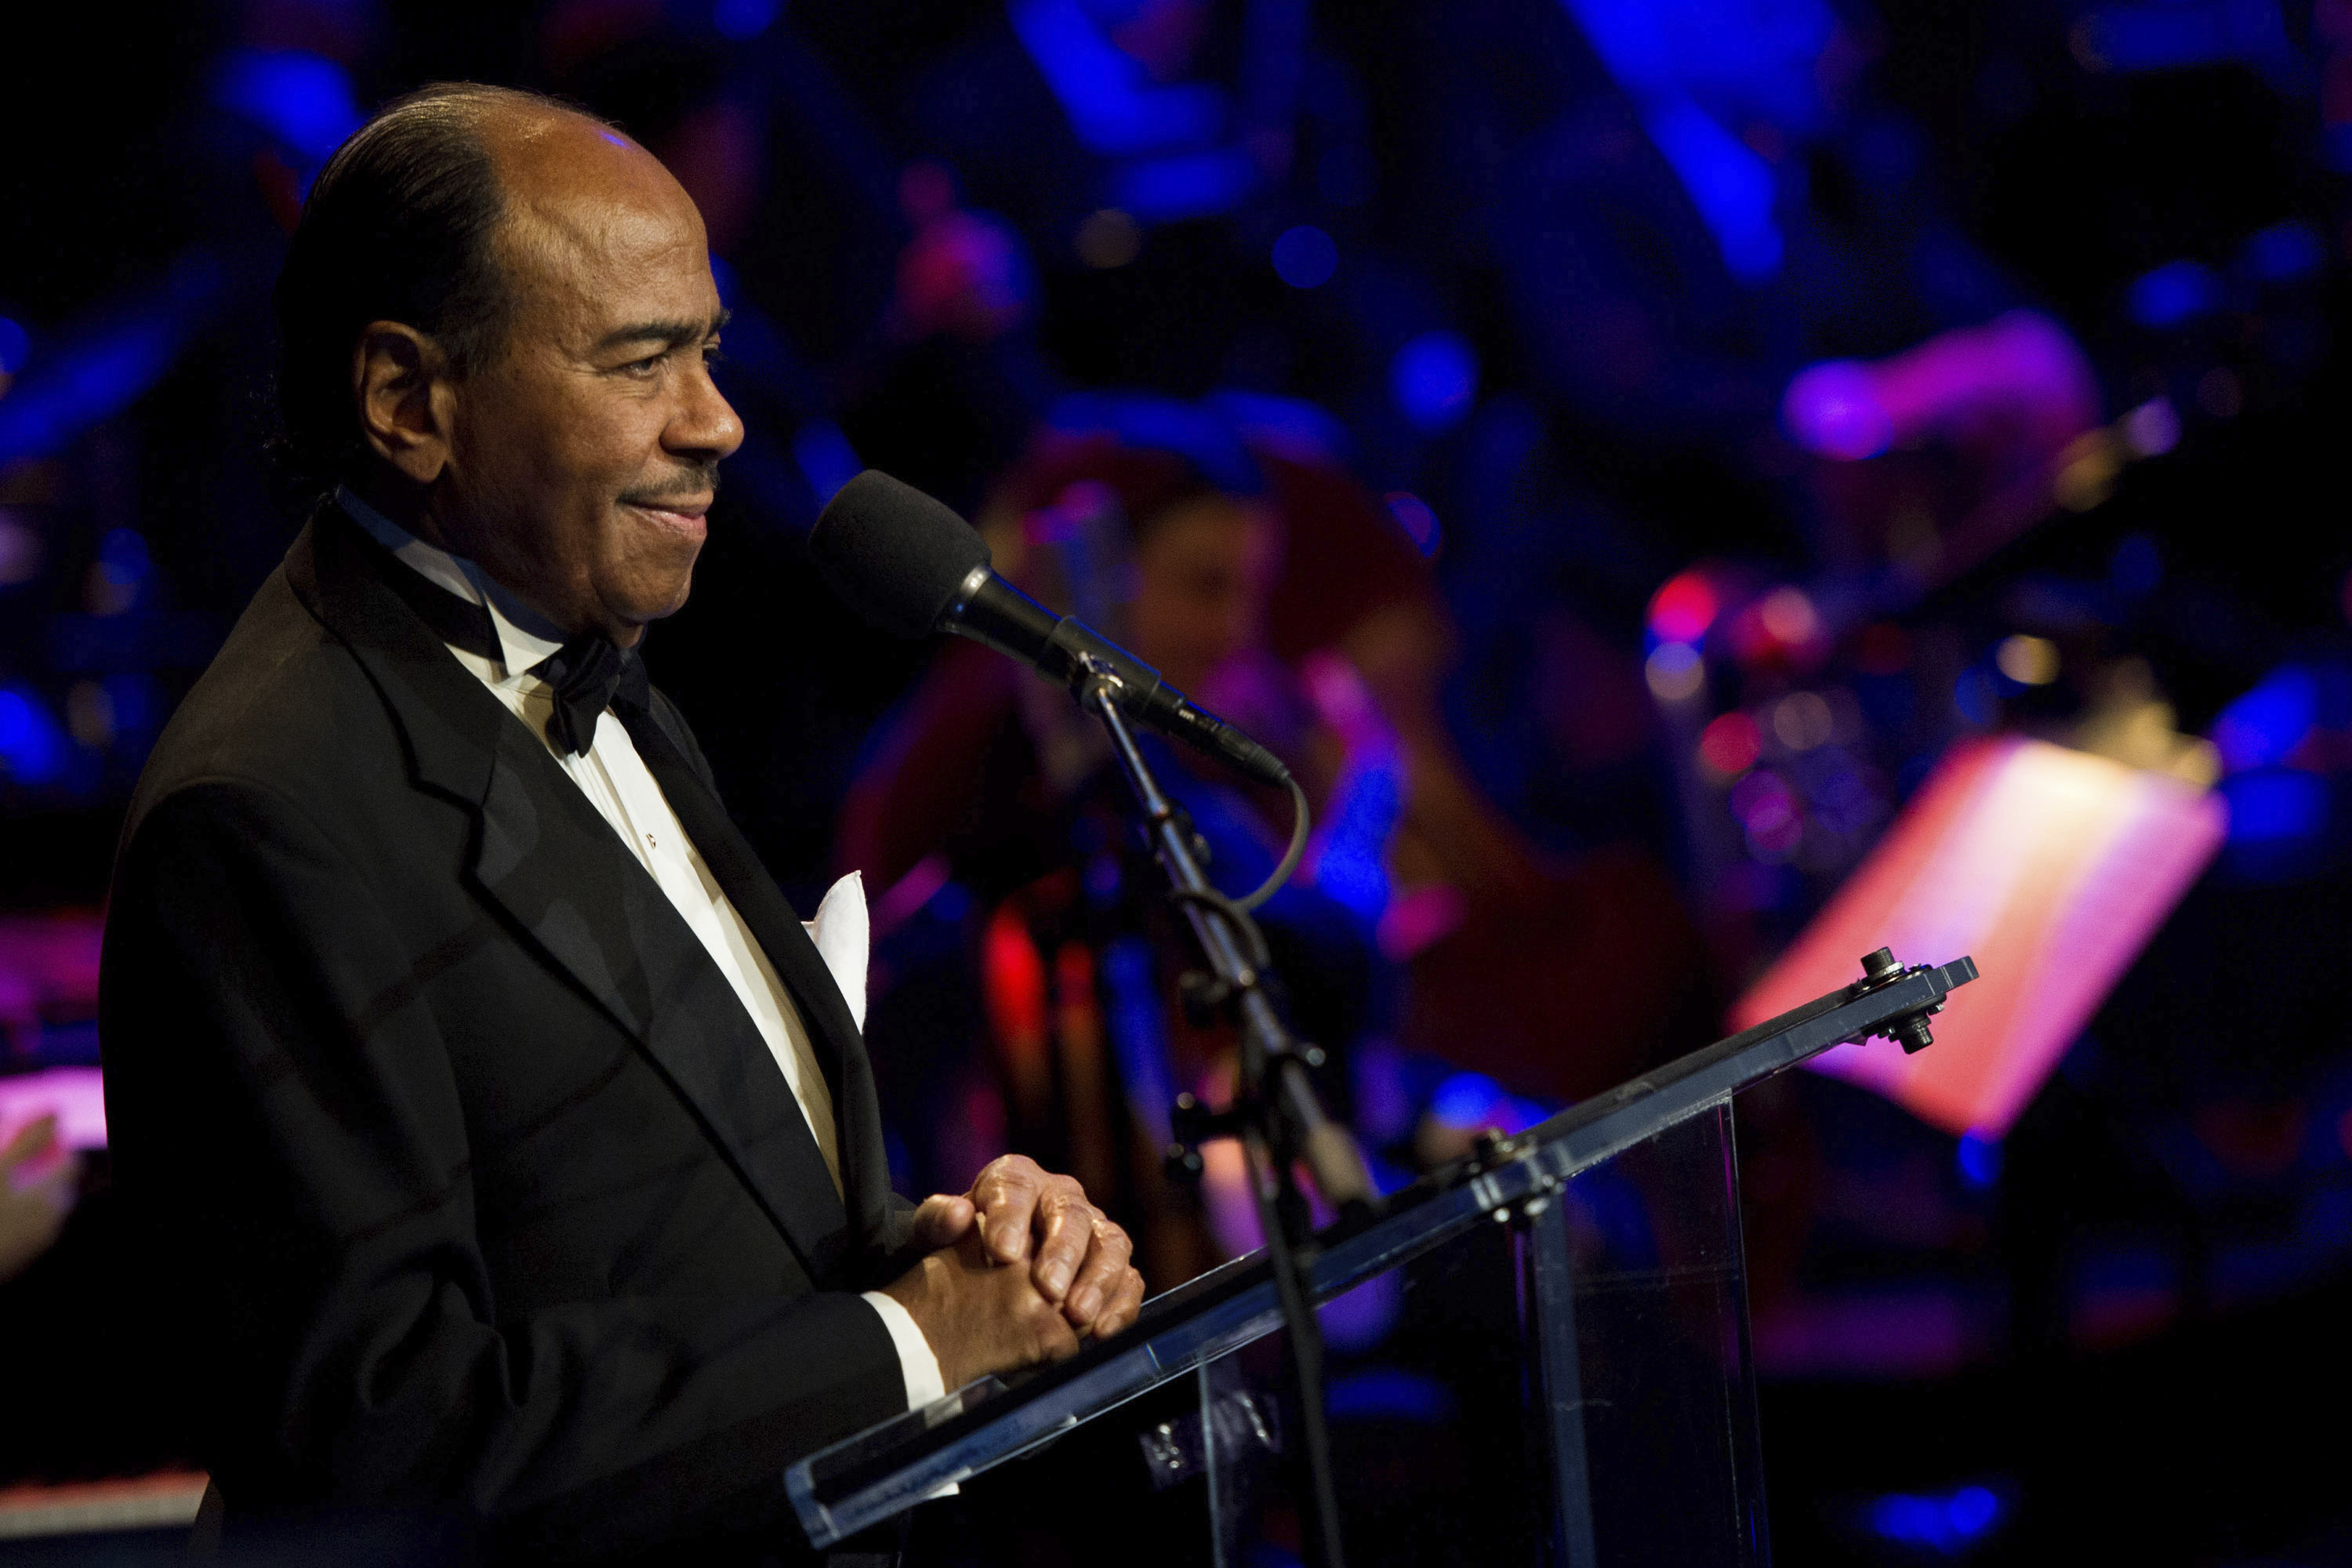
(896, 556)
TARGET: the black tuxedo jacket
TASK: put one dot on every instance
(466, 1179)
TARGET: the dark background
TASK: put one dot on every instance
(2150, 1273)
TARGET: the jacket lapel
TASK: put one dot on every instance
(545, 857)
(776, 926)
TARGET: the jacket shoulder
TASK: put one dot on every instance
(284, 705)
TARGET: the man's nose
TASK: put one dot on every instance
(706, 426)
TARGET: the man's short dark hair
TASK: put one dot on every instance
(401, 225)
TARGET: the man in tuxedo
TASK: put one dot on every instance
(501, 1141)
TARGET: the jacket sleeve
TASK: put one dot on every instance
(286, 1122)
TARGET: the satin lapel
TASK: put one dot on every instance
(555, 867)
(559, 869)
(776, 926)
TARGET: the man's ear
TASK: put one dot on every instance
(400, 381)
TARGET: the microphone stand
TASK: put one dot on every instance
(1275, 1112)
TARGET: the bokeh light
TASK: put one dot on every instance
(1730, 744)
(1435, 379)
(2029, 662)
(1683, 609)
(1306, 257)
(1675, 672)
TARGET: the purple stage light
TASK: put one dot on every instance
(1832, 409)
(75, 1096)
(1420, 523)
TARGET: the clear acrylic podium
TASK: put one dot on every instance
(1538, 1354)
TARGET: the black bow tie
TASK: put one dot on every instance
(589, 673)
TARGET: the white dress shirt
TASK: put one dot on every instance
(624, 793)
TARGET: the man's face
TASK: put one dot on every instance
(583, 456)
(1202, 576)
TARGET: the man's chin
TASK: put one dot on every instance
(642, 603)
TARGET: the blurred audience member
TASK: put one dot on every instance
(1270, 586)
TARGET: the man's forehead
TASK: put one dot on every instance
(589, 209)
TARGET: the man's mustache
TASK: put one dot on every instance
(702, 479)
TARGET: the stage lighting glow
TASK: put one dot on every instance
(742, 19)
(2051, 868)
(305, 100)
(1979, 1160)
(1420, 523)
(2282, 253)
(1801, 721)
(2029, 662)
(2266, 724)
(1108, 238)
(1384, 1392)
(1947, 1524)
(1675, 672)
(1730, 745)
(2276, 805)
(2176, 292)
(20, 551)
(15, 344)
(1305, 257)
(825, 457)
(1186, 185)
(2153, 428)
(1683, 609)
(1789, 617)
(1833, 410)
(1434, 378)
(75, 1096)
(1733, 189)
(32, 746)
(1114, 105)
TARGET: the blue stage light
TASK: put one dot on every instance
(305, 100)
(1732, 187)
(2274, 805)
(2176, 292)
(1305, 257)
(1389, 1393)
(827, 459)
(2265, 724)
(32, 745)
(15, 344)
(1947, 1524)
(742, 19)
(1184, 186)
(1979, 1161)
(2283, 252)
(1435, 379)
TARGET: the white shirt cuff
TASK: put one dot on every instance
(916, 1363)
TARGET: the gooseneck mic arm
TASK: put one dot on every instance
(1276, 1111)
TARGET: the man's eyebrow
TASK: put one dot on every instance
(671, 334)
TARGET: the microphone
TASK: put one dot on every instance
(910, 566)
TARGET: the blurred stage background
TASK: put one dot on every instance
(1643, 460)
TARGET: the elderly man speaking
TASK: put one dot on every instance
(502, 1143)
